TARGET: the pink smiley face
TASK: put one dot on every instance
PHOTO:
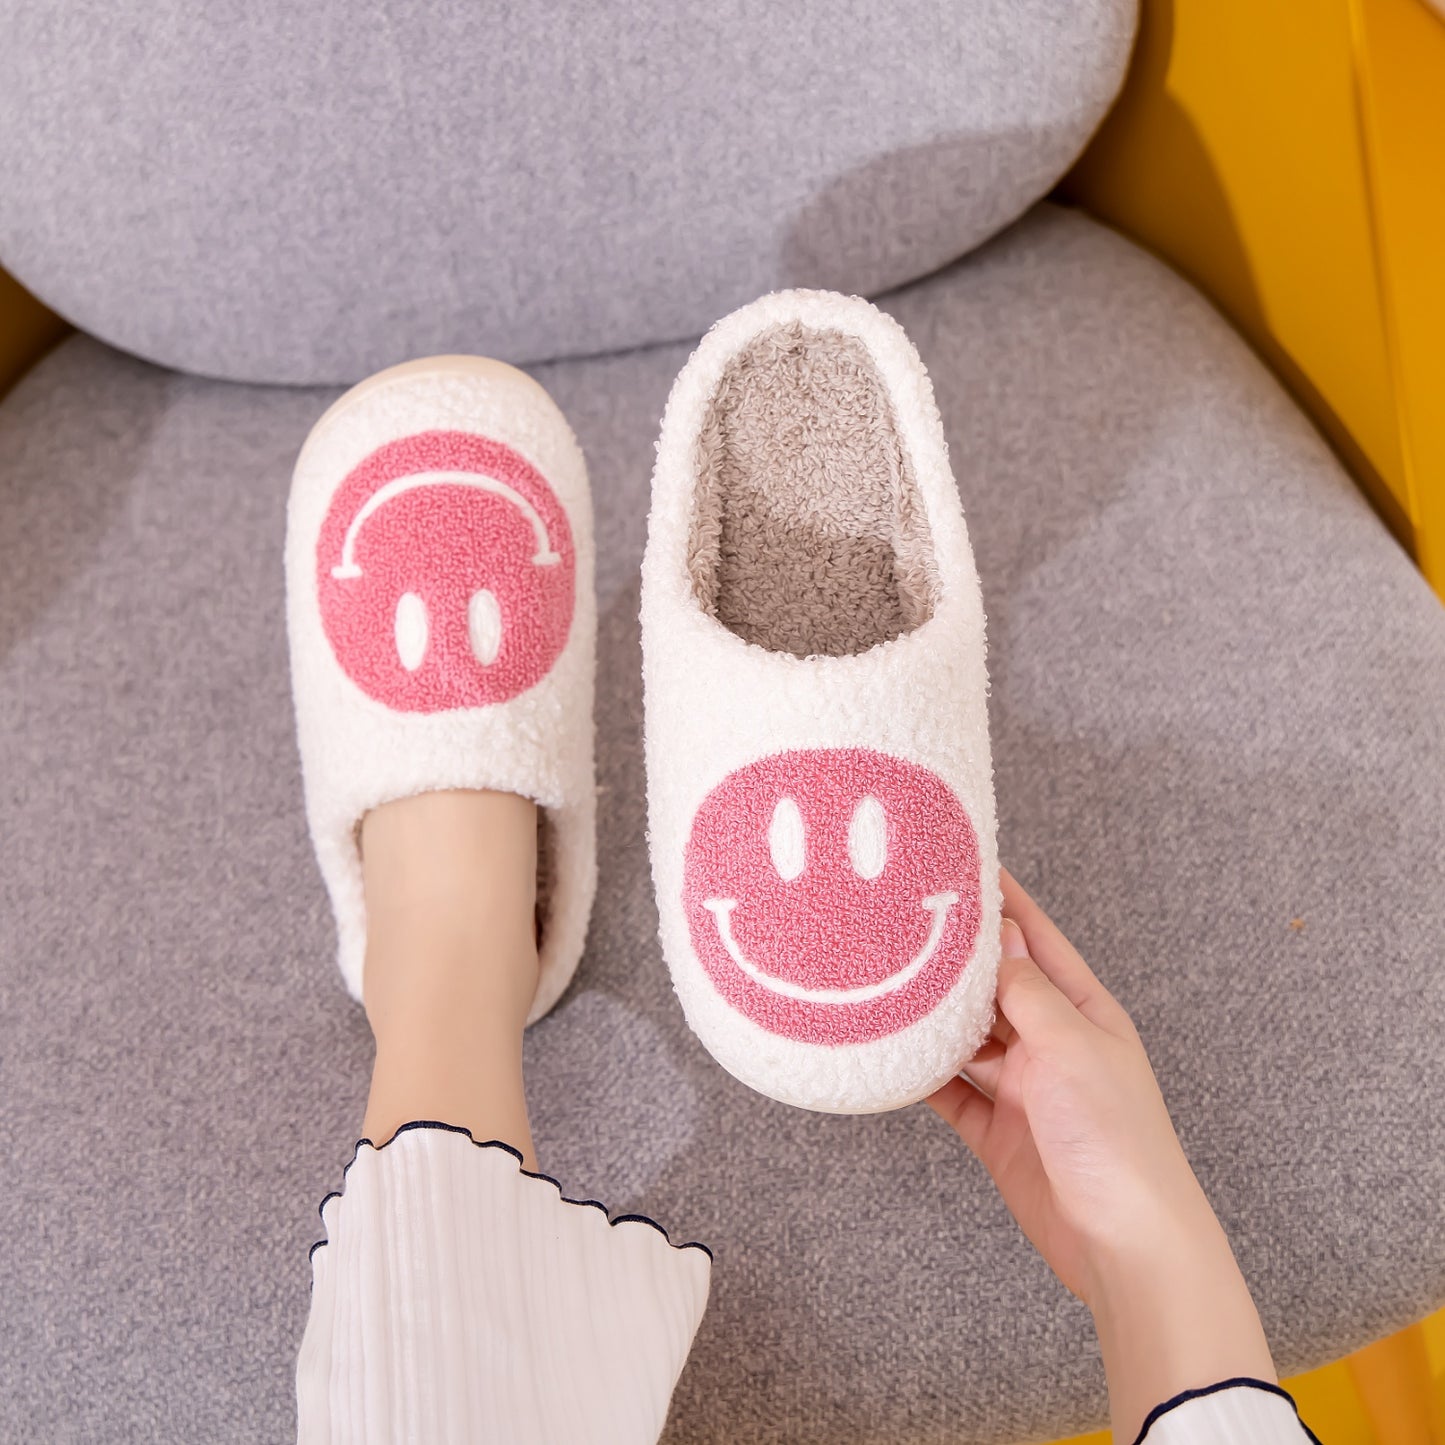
(445, 572)
(832, 894)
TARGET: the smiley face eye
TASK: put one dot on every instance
(484, 626)
(868, 837)
(785, 839)
(411, 630)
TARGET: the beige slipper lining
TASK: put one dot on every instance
(808, 530)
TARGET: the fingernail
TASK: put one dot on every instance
(1011, 936)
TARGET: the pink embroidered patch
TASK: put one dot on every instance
(832, 894)
(445, 573)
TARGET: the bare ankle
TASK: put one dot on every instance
(451, 961)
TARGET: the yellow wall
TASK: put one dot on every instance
(1400, 50)
(1288, 156)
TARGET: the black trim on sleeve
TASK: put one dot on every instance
(1247, 1380)
(525, 1173)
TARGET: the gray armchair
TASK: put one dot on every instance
(1220, 763)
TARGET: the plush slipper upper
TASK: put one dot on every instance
(442, 625)
(819, 779)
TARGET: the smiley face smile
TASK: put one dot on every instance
(938, 905)
(445, 573)
(832, 894)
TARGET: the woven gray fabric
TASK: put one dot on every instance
(1216, 706)
(305, 193)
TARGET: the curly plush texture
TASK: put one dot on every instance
(808, 584)
(369, 736)
(832, 894)
(808, 533)
(419, 534)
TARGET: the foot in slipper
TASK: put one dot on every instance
(442, 625)
(820, 791)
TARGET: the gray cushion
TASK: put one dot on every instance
(305, 193)
(1216, 709)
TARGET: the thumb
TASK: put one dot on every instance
(1027, 997)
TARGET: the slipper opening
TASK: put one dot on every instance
(545, 898)
(808, 533)
(546, 870)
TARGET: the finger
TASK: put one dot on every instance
(984, 1068)
(1029, 998)
(967, 1112)
(1002, 1029)
(1056, 957)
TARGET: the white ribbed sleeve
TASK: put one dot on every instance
(458, 1300)
(1230, 1414)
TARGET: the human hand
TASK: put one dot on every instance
(1063, 1109)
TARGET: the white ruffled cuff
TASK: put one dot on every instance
(1233, 1412)
(459, 1299)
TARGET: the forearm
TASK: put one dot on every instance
(1173, 1313)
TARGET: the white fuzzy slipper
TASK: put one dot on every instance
(443, 625)
(820, 792)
